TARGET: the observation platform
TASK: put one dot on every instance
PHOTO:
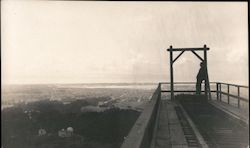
(193, 121)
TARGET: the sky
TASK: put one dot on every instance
(112, 42)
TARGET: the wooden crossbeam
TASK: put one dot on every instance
(187, 49)
(204, 49)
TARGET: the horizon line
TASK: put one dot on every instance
(91, 83)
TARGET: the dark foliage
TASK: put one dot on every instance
(93, 129)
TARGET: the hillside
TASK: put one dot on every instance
(106, 129)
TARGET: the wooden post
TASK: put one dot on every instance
(220, 91)
(171, 72)
(238, 96)
(228, 91)
(205, 62)
(217, 91)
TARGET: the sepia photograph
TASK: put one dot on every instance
(124, 74)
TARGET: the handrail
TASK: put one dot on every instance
(234, 96)
(244, 86)
(141, 134)
(228, 94)
(187, 91)
(218, 91)
(184, 82)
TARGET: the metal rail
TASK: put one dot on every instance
(188, 131)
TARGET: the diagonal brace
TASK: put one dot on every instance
(197, 55)
(178, 56)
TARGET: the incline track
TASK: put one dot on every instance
(189, 134)
(217, 128)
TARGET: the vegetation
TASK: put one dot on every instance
(107, 129)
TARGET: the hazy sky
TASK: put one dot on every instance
(84, 42)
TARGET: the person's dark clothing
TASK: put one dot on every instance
(202, 74)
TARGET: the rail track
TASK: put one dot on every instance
(218, 129)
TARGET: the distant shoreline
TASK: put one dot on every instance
(115, 83)
(123, 83)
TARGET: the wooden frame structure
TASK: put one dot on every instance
(141, 134)
(193, 50)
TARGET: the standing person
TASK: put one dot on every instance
(202, 74)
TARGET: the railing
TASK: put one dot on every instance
(186, 90)
(217, 90)
(229, 95)
(141, 134)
